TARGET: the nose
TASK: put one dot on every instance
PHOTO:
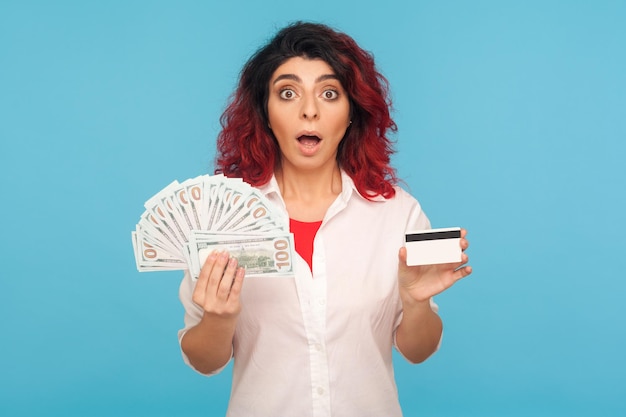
(309, 110)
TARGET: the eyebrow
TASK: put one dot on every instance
(297, 79)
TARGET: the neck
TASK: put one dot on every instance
(308, 194)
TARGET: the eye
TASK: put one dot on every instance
(287, 94)
(330, 94)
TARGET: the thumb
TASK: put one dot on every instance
(402, 256)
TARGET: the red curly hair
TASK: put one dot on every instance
(246, 146)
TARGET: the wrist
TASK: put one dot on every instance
(218, 322)
(410, 301)
(418, 311)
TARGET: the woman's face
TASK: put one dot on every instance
(309, 112)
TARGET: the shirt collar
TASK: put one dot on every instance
(347, 188)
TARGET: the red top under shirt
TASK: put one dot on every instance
(303, 235)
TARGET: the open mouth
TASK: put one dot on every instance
(309, 140)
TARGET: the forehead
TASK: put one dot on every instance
(304, 68)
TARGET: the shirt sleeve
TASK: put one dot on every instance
(417, 220)
(193, 315)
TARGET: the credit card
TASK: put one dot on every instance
(433, 246)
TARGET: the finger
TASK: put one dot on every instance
(456, 265)
(402, 258)
(462, 266)
(227, 279)
(464, 241)
(237, 284)
(464, 258)
(217, 272)
(203, 279)
(402, 255)
(462, 272)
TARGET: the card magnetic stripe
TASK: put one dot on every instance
(418, 237)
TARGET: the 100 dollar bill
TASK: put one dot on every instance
(262, 255)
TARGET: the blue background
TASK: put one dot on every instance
(512, 123)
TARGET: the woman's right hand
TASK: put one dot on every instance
(219, 285)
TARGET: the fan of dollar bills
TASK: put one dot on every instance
(184, 222)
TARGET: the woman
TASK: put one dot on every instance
(308, 126)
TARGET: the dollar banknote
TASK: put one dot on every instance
(260, 254)
(185, 221)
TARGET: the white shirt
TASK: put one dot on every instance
(321, 345)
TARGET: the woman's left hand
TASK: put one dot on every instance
(420, 283)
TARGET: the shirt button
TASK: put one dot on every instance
(322, 301)
(318, 346)
(320, 390)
